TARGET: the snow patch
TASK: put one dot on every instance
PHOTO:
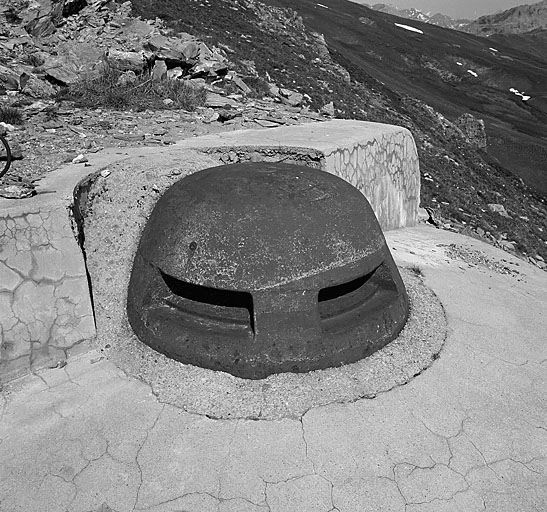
(493, 49)
(471, 72)
(324, 6)
(459, 63)
(406, 27)
(523, 96)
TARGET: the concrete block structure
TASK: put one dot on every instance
(45, 305)
(46, 311)
(380, 160)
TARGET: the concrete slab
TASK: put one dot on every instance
(468, 434)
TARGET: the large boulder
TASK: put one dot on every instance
(126, 61)
(159, 71)
(42, 16)
(74, 60)
(32, 86)
(174, 50)
(291, 98)
(9, 79)
(40, 27)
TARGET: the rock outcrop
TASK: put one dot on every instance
(473, 129)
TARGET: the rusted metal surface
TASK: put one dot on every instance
(262, 268)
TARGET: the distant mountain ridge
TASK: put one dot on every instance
(518, 20)
(442, 20)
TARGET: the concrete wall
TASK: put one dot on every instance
(45, 307)
(45, 304)
(386, 171)
(380, 160)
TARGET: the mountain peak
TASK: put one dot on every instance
(518, 20)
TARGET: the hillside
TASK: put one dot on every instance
(518, 20)
(533, 42)
(451, 71)
(460, 180)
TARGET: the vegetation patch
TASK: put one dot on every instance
(117, 90)
(259, 87)
(11, 115)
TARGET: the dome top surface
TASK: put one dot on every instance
(255, 226)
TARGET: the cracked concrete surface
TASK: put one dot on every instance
(467, 435)
(45, 308)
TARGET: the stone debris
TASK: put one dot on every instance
(125, 61)
(51, 44)
(499, 208)
(478, 258)
(17, 191)
(80, 159)
(328, 109)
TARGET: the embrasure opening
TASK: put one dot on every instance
(214, 305)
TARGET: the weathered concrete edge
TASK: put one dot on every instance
(333, 146)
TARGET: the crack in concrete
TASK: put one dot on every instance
(88, 463)
(148, 431)
(443, 500)
(201, 493)
(440, 436)
(333, 506)
(69, 377)
(522, 463)
(301, 421)
(72, 484)
(396, 483)
(486, 464)
(447, 465)
(426, 468)
(299, 477)
(182, 496)
(290, 479)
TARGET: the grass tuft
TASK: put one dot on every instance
(259, 87)
(11, 115)
(105, 90)
(416, 270)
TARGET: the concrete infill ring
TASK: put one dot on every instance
(223, 396)
(113, 221)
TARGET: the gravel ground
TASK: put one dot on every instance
(119, 206)
(477, 258)
(54, 134)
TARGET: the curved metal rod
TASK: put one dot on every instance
(7, 164)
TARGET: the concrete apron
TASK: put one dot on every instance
(46, 313)
(468, 434)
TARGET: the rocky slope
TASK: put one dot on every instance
(224, 47)
(49, 47)
(518, 20)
